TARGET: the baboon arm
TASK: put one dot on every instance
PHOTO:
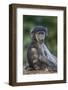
(34, 54)
(35, 58)
(50, 56)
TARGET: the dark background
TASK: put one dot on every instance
(50, 22)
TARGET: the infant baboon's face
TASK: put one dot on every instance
(40, 36)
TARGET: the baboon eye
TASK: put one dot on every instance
(41, 32)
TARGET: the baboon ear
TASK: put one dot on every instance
(46, 31)
(31, 34)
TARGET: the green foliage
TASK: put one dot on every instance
(50, 22)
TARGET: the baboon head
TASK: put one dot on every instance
(39, 33)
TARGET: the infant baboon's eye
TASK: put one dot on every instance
(41, 32)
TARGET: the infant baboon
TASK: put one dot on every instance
(38, 55)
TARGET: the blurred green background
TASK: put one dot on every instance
(29, 21)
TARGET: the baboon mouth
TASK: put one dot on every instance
(41, 41)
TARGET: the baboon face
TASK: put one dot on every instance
(40, 36)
